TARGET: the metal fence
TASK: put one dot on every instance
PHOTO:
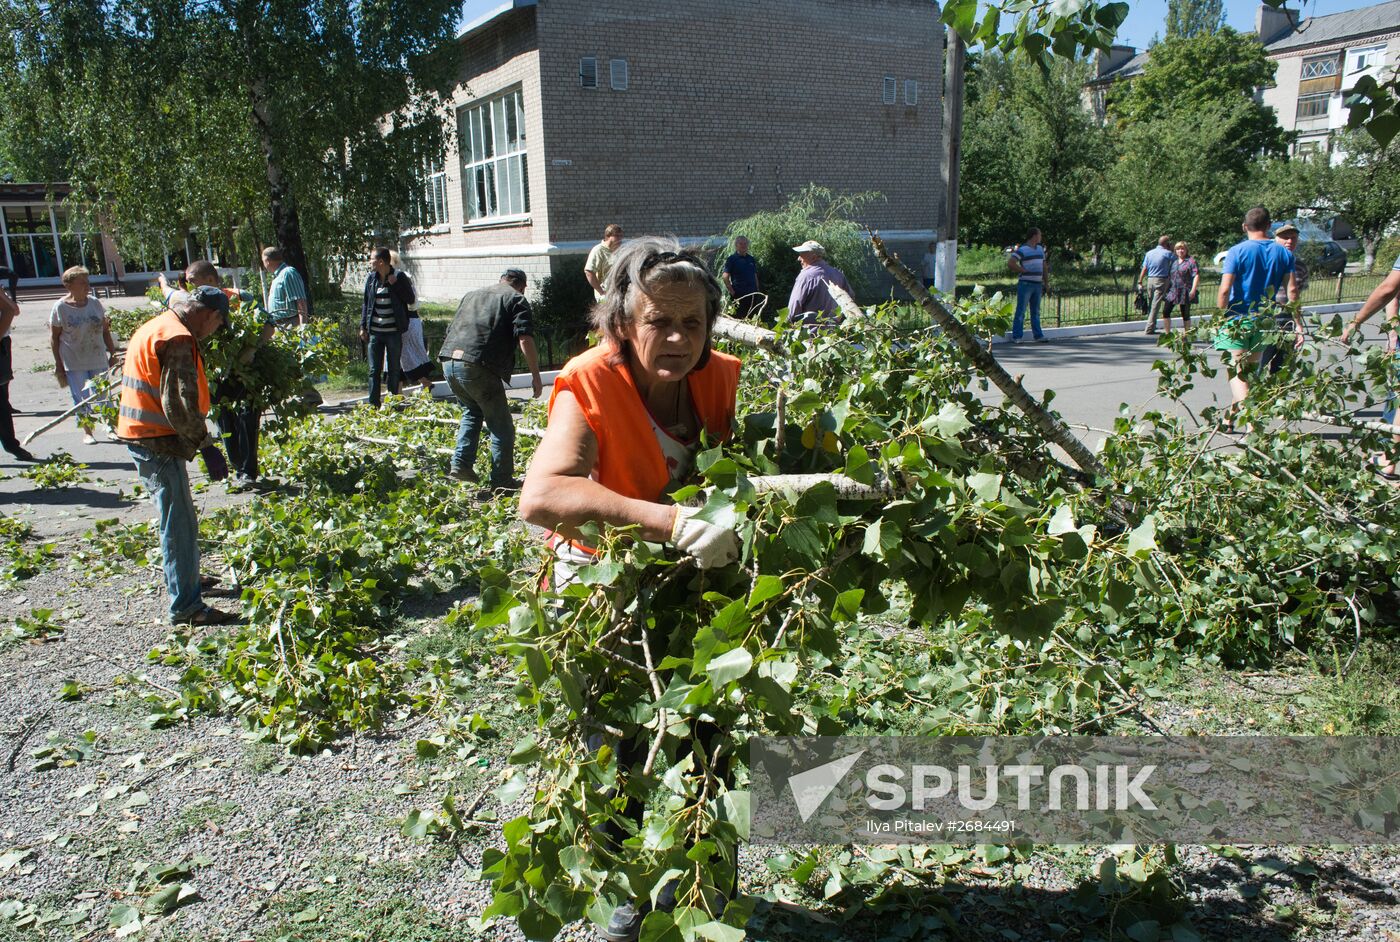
(1068, 309)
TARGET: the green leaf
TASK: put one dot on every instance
(847, 605)
(719, 932)
(526, 751)
(730, 665)
(1143, 539)
(1062, 521)
(1146, 930)
(122, 915)
(735, 805)
(985, 485)
(765, 587)
(660, 927)
(950, 422)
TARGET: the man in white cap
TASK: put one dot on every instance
(810, 300)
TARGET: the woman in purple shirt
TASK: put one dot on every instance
(1182, 284)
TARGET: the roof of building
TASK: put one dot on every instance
(490, 16)
(1339, 27)
(1129, 69)
(12, 192)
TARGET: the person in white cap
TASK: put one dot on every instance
(810, 299)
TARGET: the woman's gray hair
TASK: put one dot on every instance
(640, 267)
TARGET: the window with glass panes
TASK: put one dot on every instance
(155, 254)
(432, 198)
(39, 240)
(76, 245)
(491, 140)
(1312, 106)
(29, 241)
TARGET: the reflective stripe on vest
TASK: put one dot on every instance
(630, 461)
(141, 414)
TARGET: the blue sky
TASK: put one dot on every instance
(1150, 16)
(1147, 17)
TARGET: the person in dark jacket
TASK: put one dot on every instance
(477, 357)
(383, 320)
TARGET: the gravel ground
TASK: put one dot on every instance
(310, 848)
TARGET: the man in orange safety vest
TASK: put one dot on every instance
(165, 398)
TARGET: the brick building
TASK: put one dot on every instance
(676, 119)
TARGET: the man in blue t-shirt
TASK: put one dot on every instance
(1253, 272)
(1028, 260)
(741, 278)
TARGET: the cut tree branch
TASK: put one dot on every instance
(749, 334)
(1048, 425)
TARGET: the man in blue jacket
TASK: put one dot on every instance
(383, 320)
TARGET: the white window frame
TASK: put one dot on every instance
(1367, 57)
(889, 90)
(495, 172)
(617, 74)
(585, 65)
(431, 210)
(1318, 66)
(911, 92)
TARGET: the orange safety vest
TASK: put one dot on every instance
(141, 414)
(630, 461)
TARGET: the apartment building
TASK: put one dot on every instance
(1321, 57)
(1318, 59)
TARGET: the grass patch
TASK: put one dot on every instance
(201, 814)
(1298, 697)
(364, 904)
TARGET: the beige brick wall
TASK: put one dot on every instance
(733, 106)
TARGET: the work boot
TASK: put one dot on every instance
(624, 925)
(21, 454)
(463, 474)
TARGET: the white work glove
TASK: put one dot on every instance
(709, 544)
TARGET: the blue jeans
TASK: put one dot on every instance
(483, 399)
(80, 387)
(384, 351)
(168, 480)
(1028, 294)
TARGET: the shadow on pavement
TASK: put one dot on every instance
(75, 497)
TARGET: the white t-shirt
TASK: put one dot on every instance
(81, 344)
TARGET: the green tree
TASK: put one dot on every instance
(1178, 175)
(1188, 18)
(1068, 29)
(1185, 76)
(272, 113)
(813, 213)
(1363, 186)
(1032, 154)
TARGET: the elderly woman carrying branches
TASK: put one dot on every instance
(625, 422)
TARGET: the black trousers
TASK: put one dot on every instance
(8, 441)
(238, 426)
